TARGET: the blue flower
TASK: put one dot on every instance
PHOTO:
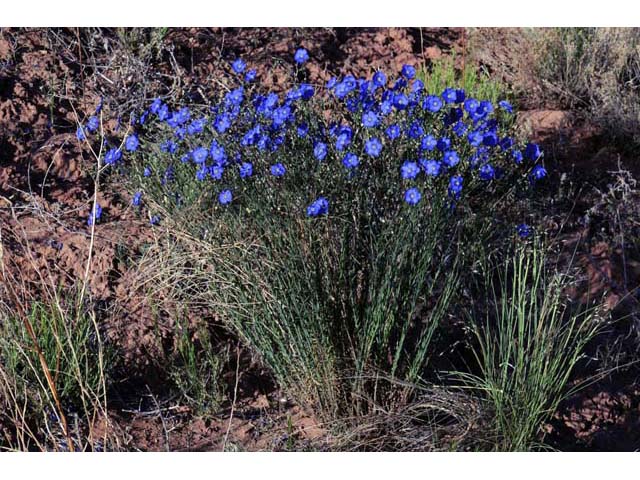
(475, 138)
(265, 105)
(147, 172)
(386, 107)
(490, 139)
(486, 107)
(179, 132)
(222, 123)
(301, 56)
(250, 76)
(155, 106)
(412, 196)
(443, 144)
(449, 95)
(137, 197)
(246, 169)
(428, 143)
(455, 186)
(460, 128)
(225, 197)
(302, 130)
(532, 151)
(487, 172)
(182, 116)
(506, 106)
(155, 220)
(480, 156)
(80, 134)
(200, 155)
(320, 151)
(263, 142)
(169, 146)
(168, 175)
(343, 89)
(450, 158)
(342, 141)
(432, 103)
(506, 143)
(453, 116)
(217, 153)
(318, 207)
(163, 112)
(216, 171)
(471, 105)
(373, 147)
(524, 230)
(351, 160)
(93, 124)
(399, 84)
(235, 97)
(132, 142)
(370, 119)
(431, 167)
(517, 156)
(409, 170)
(400, 101)
(239, 65)
(202, 173)
(415, 130)
(95, 214)
(393, 131)
(278, 170)
(408, 71)
(379, 79)
(112, 156)
(352, 104)
(417, 86)
(538, 172)
(293, 95)
(252, 136)
(306, 91)
(281, 115)
(195, 127)
(143, 117)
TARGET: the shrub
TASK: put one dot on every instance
(336, 222)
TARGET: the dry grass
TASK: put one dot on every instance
(53, 363)
(437, 419)
(598, 70)
(595, 71)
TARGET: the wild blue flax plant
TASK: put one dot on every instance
(333, 217)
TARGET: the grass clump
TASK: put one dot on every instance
(77, 364)
(474, 80)
(196, 367)
(528, 342)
